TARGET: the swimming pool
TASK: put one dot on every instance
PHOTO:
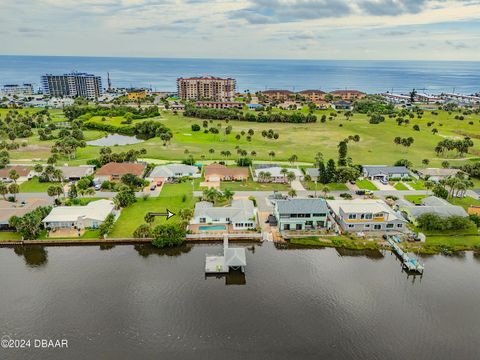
(212, 227)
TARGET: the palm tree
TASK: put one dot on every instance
(292, 193)
(429, 185)
(291, 176)
(271, 154)
(228, 194)
(211, 151)
(284, 172)
(325, 191)
(293, 159)
(149, 219)
(185, 214)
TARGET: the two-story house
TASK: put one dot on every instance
(302, 214)
(361, 215)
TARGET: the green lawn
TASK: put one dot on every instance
(34, 185)
(303, 140)
(417, 184)
(457, 240)
(366, 185)
(9, 236)
(415, 199)
(170, 197)
(464, 202)
(400, 186)
(310, 185)
(253, 186)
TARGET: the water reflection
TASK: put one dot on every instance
(34, 255)
(146, 250)
(106, 246)
(233, 277)
(371, 254)
(115, 139)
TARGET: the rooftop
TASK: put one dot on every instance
(384, 169)
(301, 206)
(357, 206)
(9, 209)
(95, 210)
(113, 168)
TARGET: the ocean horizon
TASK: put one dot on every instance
(160, 74)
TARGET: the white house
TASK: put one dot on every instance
(79, 217)
(241, 214)
(384, 172)
(276, 174)
(173, 171)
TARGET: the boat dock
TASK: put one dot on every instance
(409, 263)
(233, 258)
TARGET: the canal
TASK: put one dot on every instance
(124, 302)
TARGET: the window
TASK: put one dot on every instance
(399, 225)
(351, 226)
(389, 226)
(299, 227)
(368, 216)
(377, 227)
(352, 216)
(286, 227)
(203, 220)
(320, 215)
(367, 226)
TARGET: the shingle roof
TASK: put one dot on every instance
(113, 168)
(437, 172)
(235, 257)
(76, 171)
(314, 172)
(171, 170)
(21, 170)
(218, 169)
(276, 171)
(9, 209)
(301, 206)
(383, 169)
(96, 210)
(241, 210)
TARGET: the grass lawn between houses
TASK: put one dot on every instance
(34, 185)
(400, 186)
(365, 184)
(417, 184)
(415, 199)
(350, 243)
(173, 196)
(9, 236)
(464, 202)
(310, 185)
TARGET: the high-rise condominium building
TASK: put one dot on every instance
(72, 85)
(206, 88)
(18, 90)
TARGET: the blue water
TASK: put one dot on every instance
(212, 227)
(160, 74)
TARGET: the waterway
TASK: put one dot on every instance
(124, 302)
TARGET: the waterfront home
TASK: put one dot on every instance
(384, 172)
(170, 172)
(437, 174)
(429, 205)
(73, 173)
(240, 215)
(9, 209)
(302, 214)
(114, 171)
(24, 173)
(275, 174)
(315, 96)
(79, 217)
(361, 215)
(218, 172)
(348, 95)
(342, 105)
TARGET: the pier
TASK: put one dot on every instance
(409, 263)
(233, 258)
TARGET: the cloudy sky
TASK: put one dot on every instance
(302, 29)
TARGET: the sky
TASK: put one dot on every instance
(255, 29)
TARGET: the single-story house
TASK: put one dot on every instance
(361, 215)
(302, 214)
(436, 174)
(76, 172)
(219, 172)
(342, 105)
(314, 173)
(241, 214)
(24, 172)
(79, 217)
(274, 174)
(114, 171)
(431, 204)
(384, 172)
(9, 209)
(173, 171)
(474, 210)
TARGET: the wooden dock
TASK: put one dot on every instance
(408, 262)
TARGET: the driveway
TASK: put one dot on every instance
(297, 185)
(381, 186)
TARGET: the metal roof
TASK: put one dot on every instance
(302, 206)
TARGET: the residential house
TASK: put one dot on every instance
(171, 172)
(240, 215)
(114, 171)
(348, 95)
(342, 105)
(384, 172)
(73, 173)
(302, 214)
(361, 215)
(79, 217)
(278, 95)
(474, 210)
(218, 172)
(437, 174)
(9, 209)
(275, 174)
(24, 173)
(314, 173)
(315, 96)
(429, 205)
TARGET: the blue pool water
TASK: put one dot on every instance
(212, 227)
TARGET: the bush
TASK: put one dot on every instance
(195, 127)
(168, 235)
(431, 221)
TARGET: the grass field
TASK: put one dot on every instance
(400, 186)
(9, 236)
(417, 184)
(310, 185)
(34, 185)
(171, 197)
(464, 202)
(305, 140)
(415, 199)
(366, 185)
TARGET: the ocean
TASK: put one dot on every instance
(160, 74)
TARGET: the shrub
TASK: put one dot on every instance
(195, 127)
(168, 235)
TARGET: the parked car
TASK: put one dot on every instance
(159, 183)
(97, 187)
(384, 182)
(153, 187)
(353, 182)
(360, 192)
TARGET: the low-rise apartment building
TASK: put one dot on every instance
(206, 88)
